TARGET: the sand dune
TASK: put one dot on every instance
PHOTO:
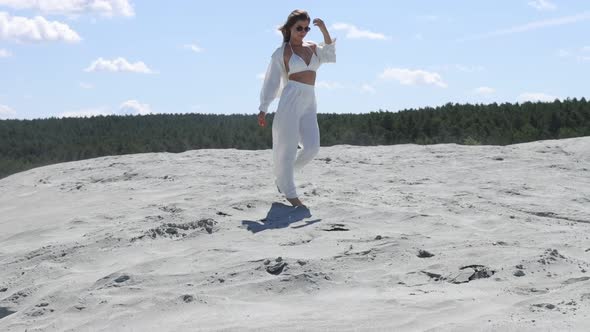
(405, 237)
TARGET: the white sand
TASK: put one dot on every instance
(77, 251)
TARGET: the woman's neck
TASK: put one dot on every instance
(296, 43)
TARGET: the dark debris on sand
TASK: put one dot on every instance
(467, 273)
(172, 230)
(424, 254)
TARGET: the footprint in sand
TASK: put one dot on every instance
(122, 278)
(336, 228)
(188, 298)
(467, 273)
(39, 310)
(277, 267)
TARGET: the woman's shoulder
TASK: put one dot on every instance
(309, 43)
(279, 50)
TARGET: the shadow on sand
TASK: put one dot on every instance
(5, 312)
(280, 216)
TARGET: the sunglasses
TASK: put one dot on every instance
(300, 28)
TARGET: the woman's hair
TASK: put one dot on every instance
(296, 15)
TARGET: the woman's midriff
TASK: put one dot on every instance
(306, 77)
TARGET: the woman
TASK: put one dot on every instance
(291, 75)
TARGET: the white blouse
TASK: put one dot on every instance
(276, 74)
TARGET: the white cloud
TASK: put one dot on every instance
(118, 65)
(130, 107)
(22, 29)
(86, 113)
(260, 76)
(6, 112)
(367, 88)
(107, 8)
(85, 85)
(542, 5)
(194, 48)
(5, 53)
(484, 90)
(533, 26)
(329, 85)
(353, 32)
(413, 77)
(536, 96)
(134, 107)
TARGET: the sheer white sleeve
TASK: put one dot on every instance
(272, 83)
(327, 52)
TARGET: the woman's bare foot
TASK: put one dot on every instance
(295, 201)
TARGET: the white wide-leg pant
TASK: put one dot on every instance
(295, 123)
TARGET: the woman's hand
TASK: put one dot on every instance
(320, 24)
(261, 119)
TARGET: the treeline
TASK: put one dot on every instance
(25, 144)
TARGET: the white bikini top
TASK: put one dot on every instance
(297, 64)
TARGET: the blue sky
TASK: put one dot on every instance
(88, 57)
